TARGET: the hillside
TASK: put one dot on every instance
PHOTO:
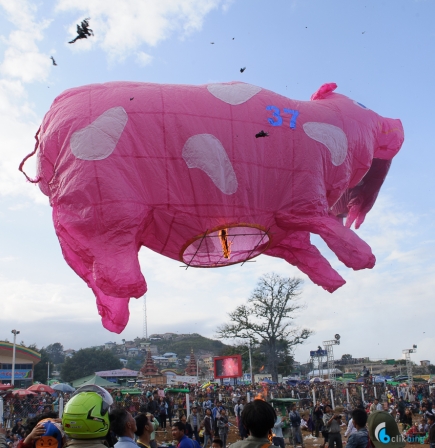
(181, 345)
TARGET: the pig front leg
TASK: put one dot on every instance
(297, 250)
(114, 311)
(346, 244)
(106, 240)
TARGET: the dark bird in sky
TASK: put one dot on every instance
(52, 58)
(132, 98)
(212, 43)
(242, 69)
(83, 31)
(262, 134)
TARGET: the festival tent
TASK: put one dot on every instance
(317, 380)
(319, 373)
(380, 379)
(267, 381)
(94, 380)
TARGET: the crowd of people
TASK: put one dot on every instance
(319, 410)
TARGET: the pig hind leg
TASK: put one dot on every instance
(297, 250)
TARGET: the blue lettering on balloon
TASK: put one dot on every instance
(294, 114)
(276, 114)
(277, 120)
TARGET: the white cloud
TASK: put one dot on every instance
(122, 27)
(22, 59)
(22, 63)
(143, 59)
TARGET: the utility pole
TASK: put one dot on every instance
(145, 325)
(407, 352)
(250, 364)
(14, 332)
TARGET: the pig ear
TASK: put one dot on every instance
(324, 91)
(390, 139)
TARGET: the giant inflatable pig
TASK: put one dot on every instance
(209, 175)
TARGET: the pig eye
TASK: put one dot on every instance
(361, 105)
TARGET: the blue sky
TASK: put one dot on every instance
(379, 53)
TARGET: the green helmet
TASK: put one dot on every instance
(86, 415)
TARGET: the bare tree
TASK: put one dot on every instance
(267, 319)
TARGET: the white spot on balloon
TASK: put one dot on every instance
(233, 94)
(99, 139)
(205, 151)
(331, 136)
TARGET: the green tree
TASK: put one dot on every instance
(346, 358)
(134, 363)
(267, 319)
(87, 361)
(40, 371)
(55, 352)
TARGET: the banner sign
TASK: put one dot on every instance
(20, 374)
(182, 379)
(315, 353)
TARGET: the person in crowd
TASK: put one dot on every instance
(430, 416)
(423, 427)
(278, 437)
(358, 438)
(153, 406)
(305, 422)
(189, 430)
(144, 429)
(217, 443)
(401, 406)
(375, 406)
(193, 421)
(178, 434)
(124, 427)
(86, 418)
(332, 424)
(318, 418)
(238, 408)
(18, 425)
(351, 427)
(427, 404)
(223, 426)
(155, 424)
(3, 437)
(258, 417)
(207, 425)
(295, 424)
(406, 419)
(163, 412)
(216, 413)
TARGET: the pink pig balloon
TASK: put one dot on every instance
(209, 175)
